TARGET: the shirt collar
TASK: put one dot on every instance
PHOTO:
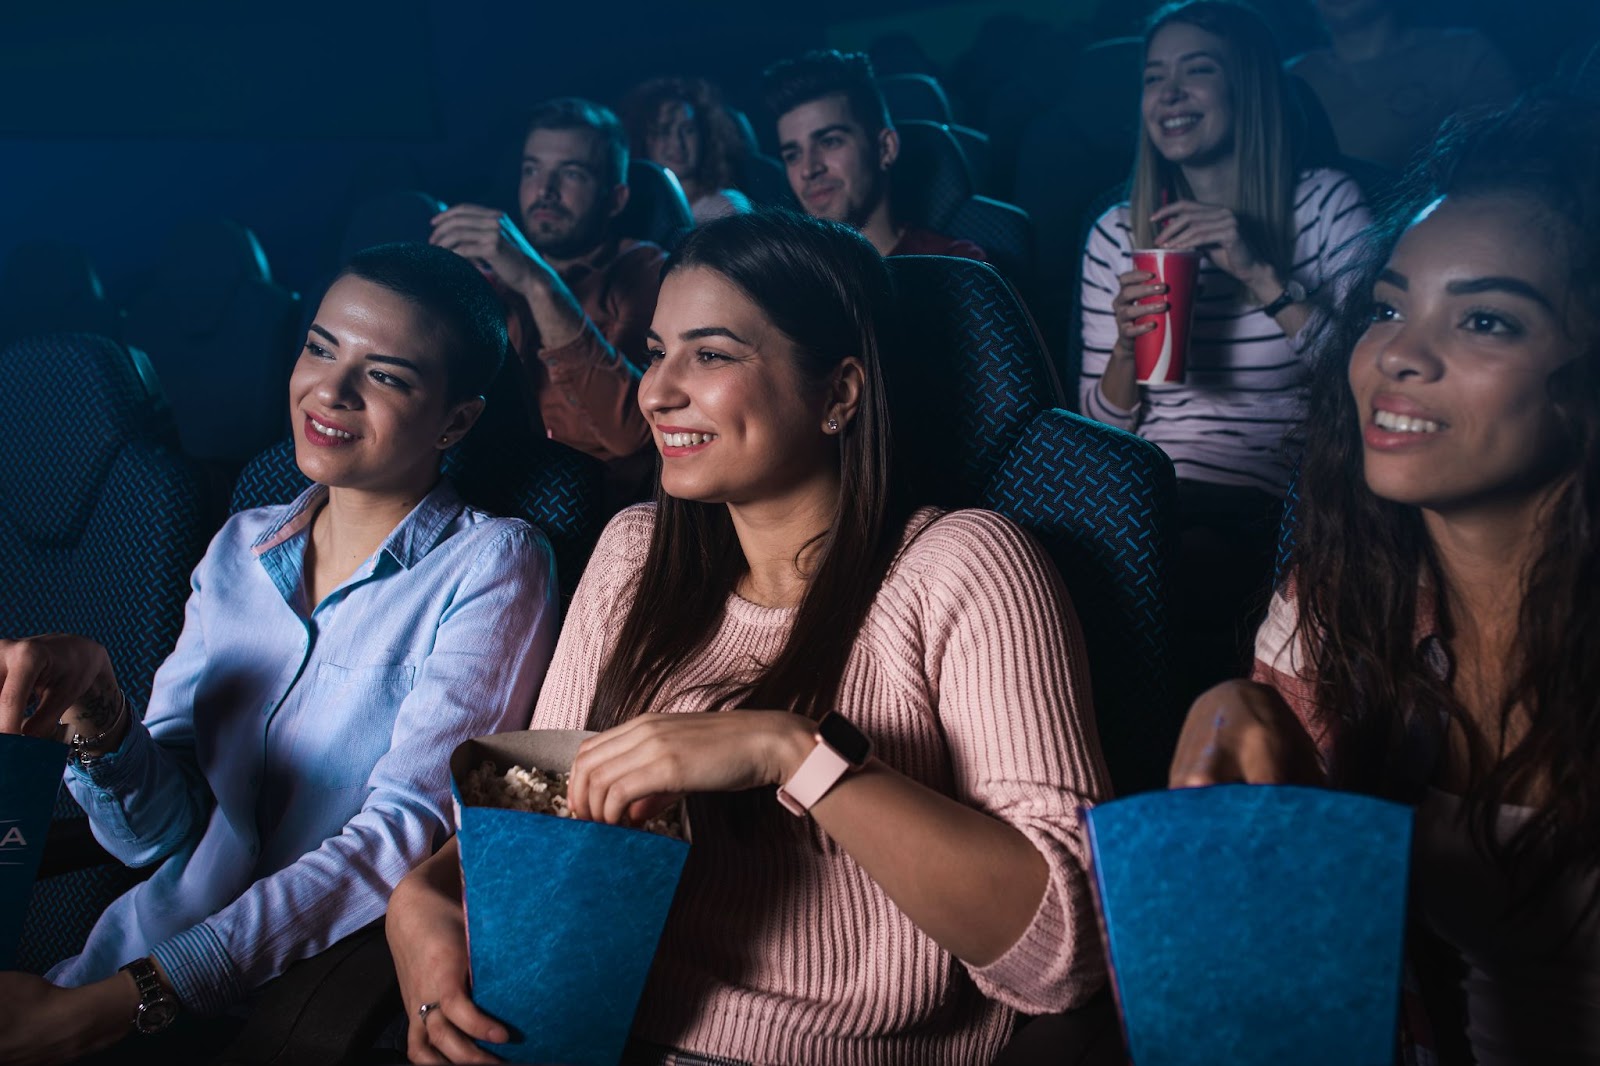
(415, 536)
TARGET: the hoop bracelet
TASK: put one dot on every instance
(82, 745)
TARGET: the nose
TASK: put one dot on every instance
(338, 388)
(1406, 355)
(1171, 90)
(814, 164)
(661, 389)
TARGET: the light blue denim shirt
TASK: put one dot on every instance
(291, 766)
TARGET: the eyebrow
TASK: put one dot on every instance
(1515, 286)
(388, 360)
(704, 331)
(1395, 278)
(1184, 58)
(584, 164)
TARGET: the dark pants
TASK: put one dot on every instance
(1227, 539)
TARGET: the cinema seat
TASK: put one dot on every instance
(657, 209)
(989, 433)
(100, 525)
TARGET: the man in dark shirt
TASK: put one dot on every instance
(578, 299)
(839, 146)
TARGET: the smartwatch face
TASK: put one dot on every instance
(844, 738)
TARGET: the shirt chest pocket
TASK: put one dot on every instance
(347, 721)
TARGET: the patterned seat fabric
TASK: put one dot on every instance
(932, 176)
(978, 426)
(100, 525)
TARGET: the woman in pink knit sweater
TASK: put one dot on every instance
(902, 910)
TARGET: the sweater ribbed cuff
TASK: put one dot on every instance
(202, 974)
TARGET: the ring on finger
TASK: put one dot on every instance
(422, 1012)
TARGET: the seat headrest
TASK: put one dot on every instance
(205, 260)
(931, 178)
(402, 215)
(968, 374)
(657, 209)
(914, 97)
(52, 287)
(73, 401)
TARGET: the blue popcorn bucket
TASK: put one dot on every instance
(563, 915)
(30, 778)
(1254, 925)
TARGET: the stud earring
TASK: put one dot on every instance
(444, 439)
(833, 425)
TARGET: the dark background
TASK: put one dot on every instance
(119, 120)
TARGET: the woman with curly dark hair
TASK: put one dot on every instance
(681, 124)
(1438, 640)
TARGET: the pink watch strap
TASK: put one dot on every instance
(819, 773)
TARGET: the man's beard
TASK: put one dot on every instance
(569, 242)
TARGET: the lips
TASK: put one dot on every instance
(1398, 423)
(1177, 125)
(678, 441)
(326, 434)
(818, 193)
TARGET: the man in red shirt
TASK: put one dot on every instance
(578, 300)
(839, 146)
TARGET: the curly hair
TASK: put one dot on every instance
(1358, 558)
(722, 147)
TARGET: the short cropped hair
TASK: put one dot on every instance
(454, 296)
(576, 113)
(793, 82)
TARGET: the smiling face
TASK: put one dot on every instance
(731, 414)
(563, 195)
(1188, 98)
(1451, 378)
(369, 396)
(837, 169)
(673, 139)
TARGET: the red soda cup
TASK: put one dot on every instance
(1159, 354)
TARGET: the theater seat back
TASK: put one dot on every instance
(215, 325)
(978, 426)
(100, 525)
(657, 209)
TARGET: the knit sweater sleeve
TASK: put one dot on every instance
(1006, 662)
(593, 620)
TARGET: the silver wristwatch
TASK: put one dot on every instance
(158, 1008)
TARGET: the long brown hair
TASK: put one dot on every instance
(1358, 559)
(1264, 198)
(825, 288)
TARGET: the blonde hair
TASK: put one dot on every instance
(1264, 198)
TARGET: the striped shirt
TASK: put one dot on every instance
(1246, 380)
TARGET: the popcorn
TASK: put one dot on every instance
(541, 792)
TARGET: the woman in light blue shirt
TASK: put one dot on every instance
(290, 767)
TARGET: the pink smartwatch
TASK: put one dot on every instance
(841, 748)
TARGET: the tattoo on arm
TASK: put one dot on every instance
(100, 707)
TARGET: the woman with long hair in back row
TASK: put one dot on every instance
(1438, 641)
(1216, 172)
(781, 611)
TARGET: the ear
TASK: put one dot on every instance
(888, 147)
(462, 418)
(618, 200)
(844, 394)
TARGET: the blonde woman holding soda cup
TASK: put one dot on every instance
(1196, 294)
